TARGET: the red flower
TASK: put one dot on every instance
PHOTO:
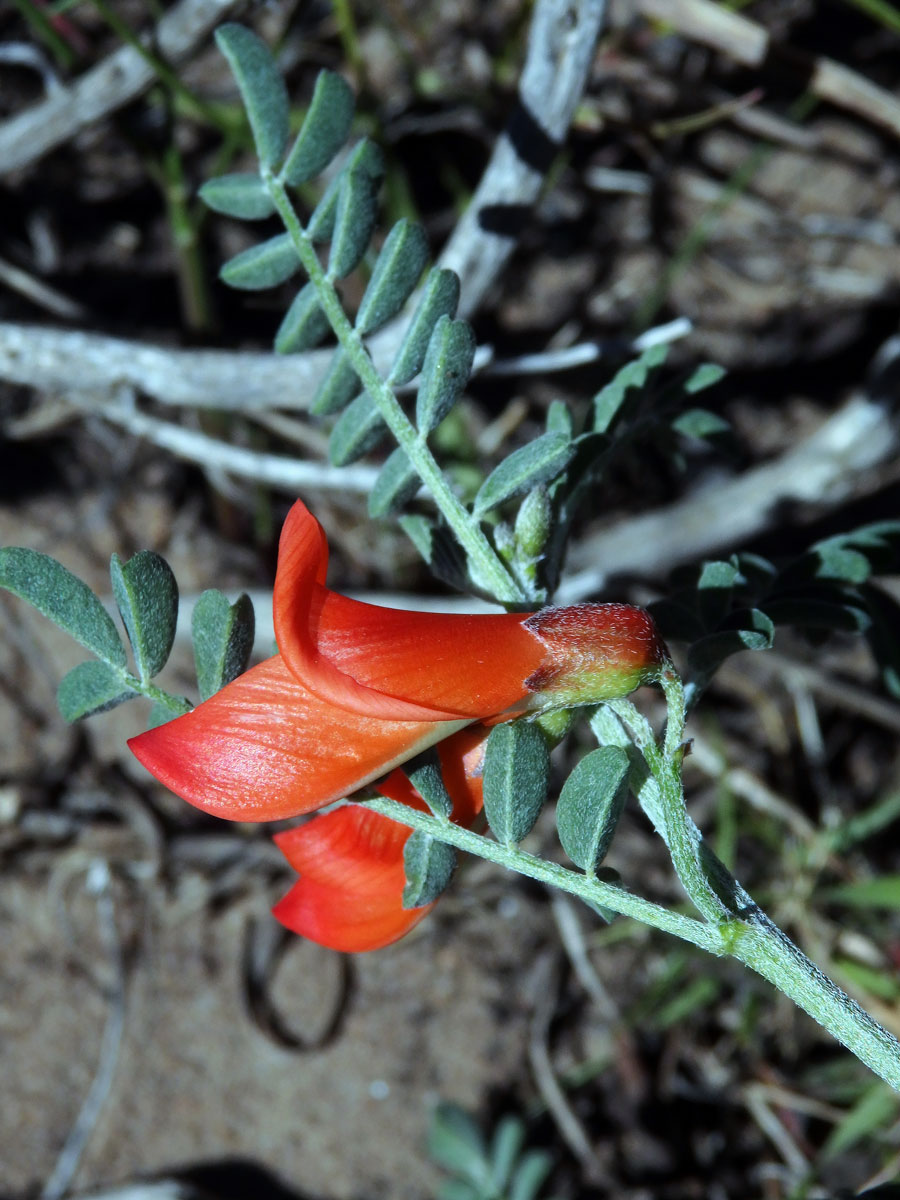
(357, 690)
(350, 892)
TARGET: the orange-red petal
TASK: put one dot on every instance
(351, 881)
(350, 892)
(388, 662)
(265, 747)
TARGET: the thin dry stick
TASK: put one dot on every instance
(749, 43)
(98, 883)
(274, 470)
(560, 54)
(116, 81)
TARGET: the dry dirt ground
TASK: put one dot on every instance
(123, 912)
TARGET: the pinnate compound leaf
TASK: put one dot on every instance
(400, 263)
(440, 296)
(610, 399)
(429, 867)
(241, 196)
(445, 372)
(304, 324)
(262, 89)
(146, 595)
(366, 157)
(396, 484)
(516, 774)
(262, 266)
(325, 129)
(354, 221)
(590, 805)
(62, 597)
(91, 687)
(337, 387)
(222, 635)
(538, 462)
(358, 429)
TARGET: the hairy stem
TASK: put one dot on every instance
(754, 940)
(491, 572)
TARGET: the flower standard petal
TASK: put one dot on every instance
(265, 747)
(408, 665)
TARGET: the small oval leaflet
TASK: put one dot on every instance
(440, 297)
(91, 687)
(516, 774)
(396, 484)
(429, 867)
(304, 325)
(590, 805)
(262, 89)
(241, 196)
(400, 263)
(366, 157)
(426, 776)
(325, 129)
(222, 635)
(262, 266)
(353, 223)
(337, 387)
(146, 595)
(358, 429)
(538, 462)
(445, 372)
(64, 599)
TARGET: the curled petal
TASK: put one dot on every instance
(351, 879)
(265, 747)
(387, 662)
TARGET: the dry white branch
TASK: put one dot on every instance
(114, 82)
(273, 470)
(560, 54)
(749, 43)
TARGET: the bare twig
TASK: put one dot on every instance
(749, 43)
(40, 293)
(274, 470)
(570, 1128)
(560, 54)
(114, 82)
(98, 883)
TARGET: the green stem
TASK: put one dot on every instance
(175, 704)
(593, 891)
(753, 940)
(678, 831)
(490, 570)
